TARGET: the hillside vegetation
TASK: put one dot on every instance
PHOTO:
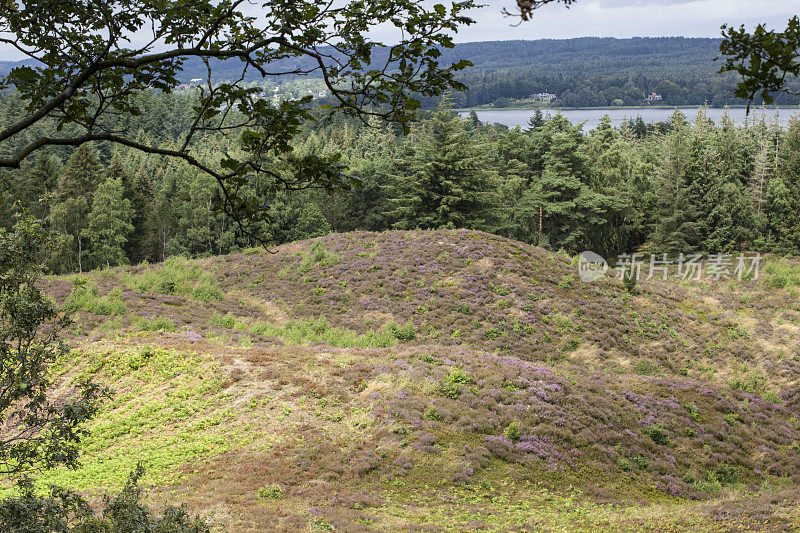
(440, 380)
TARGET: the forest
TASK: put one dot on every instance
(598, 72)
(676, 187)
(581, 72)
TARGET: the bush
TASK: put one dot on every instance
(86, 297)
(433, 414)
(629, 282)
(513, 431)
(403, 333)
(176, 275)
(271, 492)
(157, 323)
(317, 256)
(657, 434)
(64, 511)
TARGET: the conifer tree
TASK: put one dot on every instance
(445, 178)
(572, 209)
(678, 227)
(109, 224)
(138, 191)
(81, 175)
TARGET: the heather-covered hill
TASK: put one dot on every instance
(441, 379)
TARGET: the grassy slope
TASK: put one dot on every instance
(291, 389)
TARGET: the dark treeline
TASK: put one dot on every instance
(678, 186)
(590, 71)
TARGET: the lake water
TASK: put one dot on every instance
(519, 117)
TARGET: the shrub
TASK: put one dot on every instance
(753, 382)
(158, 323)
(227, 321)
(492, 333)
(403, 333)
(657, 434)
(781, 275)
(176, 275)
(271, 492)
(571, 345)
(64, 511)
(317, 256)
(629, 282)
(433, 414)
(513, 431)
(646, 368)
(727, 474)
(566, 281)
(85, 297)
(465, 309)
(450, 387)
(624, 465)
(731, 419)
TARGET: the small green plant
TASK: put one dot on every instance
(566, 282)
(176, 275)
(657, 434)
(513, 431)
(433, 414)
(624, 465)
(450, 387)
(646, 368)
(694, 413)
(641, 462)
(317, 257)
(403, 333)
(629, 282)
(227, 321)
(492, 333)
(731, 419)
(158, 323)
(271, 492)
(465, 309)
(85, 297)
(571, 345)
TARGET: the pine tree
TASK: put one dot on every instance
(572, 210)
(138, 191)
(109, 224)
(784, 194)
(81, 175)
(679, 226)
(445, 178)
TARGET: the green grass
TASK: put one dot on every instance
(166, 410)
(781, 275)
(176, 275)
(158, 323)
(85, 297)
(304, 332)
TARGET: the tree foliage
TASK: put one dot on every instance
(38, 430)
(95, 60)
(765, 59)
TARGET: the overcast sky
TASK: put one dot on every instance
(630, 18)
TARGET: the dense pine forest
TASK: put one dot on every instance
(679, 187)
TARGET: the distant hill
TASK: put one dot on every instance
(377, 378)
(587, 71)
